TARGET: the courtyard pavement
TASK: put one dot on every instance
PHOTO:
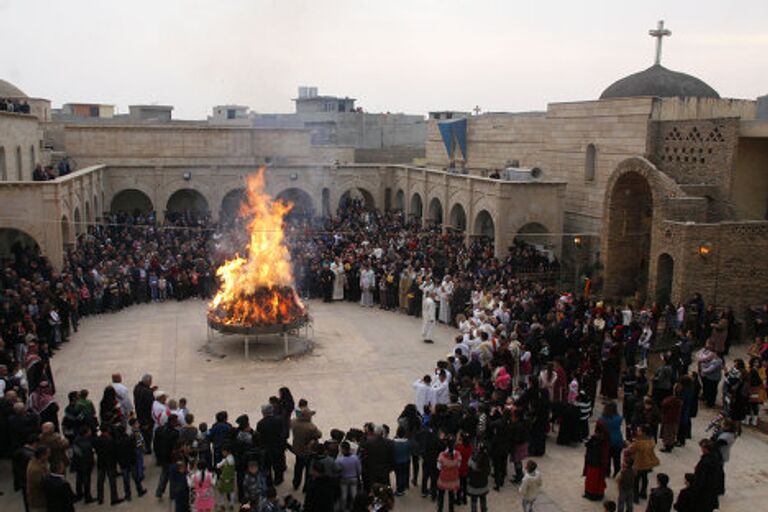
(361, 369)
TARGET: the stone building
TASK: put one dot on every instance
(667, 184)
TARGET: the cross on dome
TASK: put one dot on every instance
(659, 34)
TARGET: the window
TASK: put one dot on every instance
(231, 113)
(3, 175)
(19, 164)
(32, 157)
(590, 163)
(94, 111)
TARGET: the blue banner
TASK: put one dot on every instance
(454, 133)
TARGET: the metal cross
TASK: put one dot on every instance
(476, 109)
(659, 33)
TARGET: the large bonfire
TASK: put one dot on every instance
(257, 290)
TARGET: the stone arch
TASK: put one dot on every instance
(66, 232)
(400, 200)
(19, 165)
(458, 218)
(358, 193)
(630, 221)
(303, 206)
(230, 204)
(665, 271)
(3, 168)
(533, 233)
(78, 221)
(187, 200)
(130, 200)
(417, 206)
(484, 225)
(590, 163)
(435, 211)
(13, 241)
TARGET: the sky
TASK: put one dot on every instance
(392, 55)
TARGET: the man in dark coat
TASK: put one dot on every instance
(21, 458)
(143, 396)
(106, 465)
(709, 477)
(270, 430)
(661, 497)
(166, 438)
(58, 493)
(377, 457)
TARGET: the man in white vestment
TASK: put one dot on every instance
(428, 314)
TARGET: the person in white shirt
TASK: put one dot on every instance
(160, 411)
(441, 390)
(425, 396)
(123, 395)
(530, 488)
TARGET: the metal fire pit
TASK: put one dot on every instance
(259, 331)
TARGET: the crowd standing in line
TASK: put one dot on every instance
(527, 366)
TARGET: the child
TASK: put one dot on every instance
(226, 483)
(204, 445)
(351, 471)
(254, 484)
(138, 439)
(626, 484)
(530, 488)
(661, 497)
(203, 482)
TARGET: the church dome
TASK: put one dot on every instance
(660, 82)
(8, 90)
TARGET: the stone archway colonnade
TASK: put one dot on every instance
(475, 205)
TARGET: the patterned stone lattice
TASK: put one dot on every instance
(691, 148)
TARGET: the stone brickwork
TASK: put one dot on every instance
(20, 146)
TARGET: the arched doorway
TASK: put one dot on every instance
(458, 218)
(66, 232)
(15, 242)
(400, 200)
(630, 218)
(484, 226)
(96, 212)
(387, 199)
(435, 211)
(301, 201)
(533, 233)
(230, 205)
(359, 196)
(664, 274)
(187, 200)
(130, 200)
(88, 213)
(78, 221)
(417, 207)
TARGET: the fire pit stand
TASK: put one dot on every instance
(299, 328)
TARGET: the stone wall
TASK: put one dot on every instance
(696, 152)
(194, 145)
(20, 146)
(732, 274)
(389, 155)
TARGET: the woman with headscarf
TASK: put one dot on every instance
(596, 463)
(41, 401)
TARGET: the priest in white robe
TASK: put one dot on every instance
(339, 277)
(445, 294)
(367, 285)
(428, 316)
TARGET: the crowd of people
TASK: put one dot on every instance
(49, 172)
(529, 364)
(14, 105)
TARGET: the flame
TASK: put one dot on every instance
(258, 288)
